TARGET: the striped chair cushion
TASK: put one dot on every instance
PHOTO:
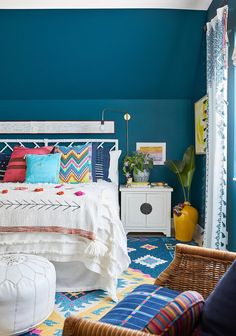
(139, 307)
(75, 163)
(157, 310)
(4, 159)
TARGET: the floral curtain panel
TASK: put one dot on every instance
(216, 155)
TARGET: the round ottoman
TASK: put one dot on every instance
(27, 292)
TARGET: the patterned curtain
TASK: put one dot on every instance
(216, 154)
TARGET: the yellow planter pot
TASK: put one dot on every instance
(185, 223)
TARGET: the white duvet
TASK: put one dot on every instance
(66, 223)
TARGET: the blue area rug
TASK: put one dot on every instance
(149, 255)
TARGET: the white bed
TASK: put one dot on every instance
(81, 234)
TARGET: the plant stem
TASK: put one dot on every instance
(181, 182)
(189, 194)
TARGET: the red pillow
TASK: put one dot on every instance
(16, 168)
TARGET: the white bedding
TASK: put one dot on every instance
(67, 229)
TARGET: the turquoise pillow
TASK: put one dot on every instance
(42, 168)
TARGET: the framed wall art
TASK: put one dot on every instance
(200, 125)
(157, 150)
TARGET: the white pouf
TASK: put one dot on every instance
(27, 292)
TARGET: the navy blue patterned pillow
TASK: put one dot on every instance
(100, 162)
(4, 159)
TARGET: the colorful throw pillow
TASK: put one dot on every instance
(75, 163)
(157, 310)
(178, 317)
(4, 159)
(42, 168)
(16, 168)
(100, 162)
(220, 307)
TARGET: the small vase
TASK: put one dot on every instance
(185, 221)
(141, 176)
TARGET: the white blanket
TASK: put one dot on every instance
(66, 223)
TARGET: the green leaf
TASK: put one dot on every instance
(184, 169)
(176, 166)
(137, 161)
(189, 169)
(136, 170)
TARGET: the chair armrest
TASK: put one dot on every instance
(195, 268)
(80, 327)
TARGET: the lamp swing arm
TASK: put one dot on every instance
(113, 110)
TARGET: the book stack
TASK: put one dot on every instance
(139, 184)
(159, 184)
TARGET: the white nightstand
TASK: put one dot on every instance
(146, 209)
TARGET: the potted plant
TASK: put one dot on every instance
(185, 216)
(138, 166)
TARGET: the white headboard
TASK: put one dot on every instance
(8, 144)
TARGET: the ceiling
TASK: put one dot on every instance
(89, 4)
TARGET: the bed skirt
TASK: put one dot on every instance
(75, 277)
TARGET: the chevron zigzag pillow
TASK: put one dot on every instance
(75, 163)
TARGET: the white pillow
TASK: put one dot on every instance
(113, 168)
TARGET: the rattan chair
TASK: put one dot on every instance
(193, 268)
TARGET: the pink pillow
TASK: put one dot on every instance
(16, 168)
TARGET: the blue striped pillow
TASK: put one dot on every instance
(100, 162)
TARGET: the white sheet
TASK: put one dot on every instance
(62, 248)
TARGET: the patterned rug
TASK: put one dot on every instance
(149, 257)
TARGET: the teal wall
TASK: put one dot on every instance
(231, 187)
(99, 54)
(71, 64)
(147, 123)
